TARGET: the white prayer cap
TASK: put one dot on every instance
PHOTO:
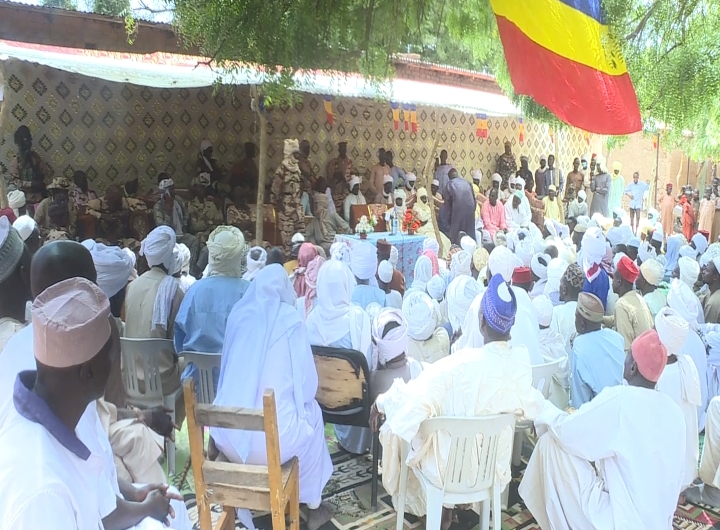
(436, 182)
(582, 194)
(255, 265)
(394, 342)
(555, 270)
(618, 212)
(461, 263)
(658, 236)
(652, 271)
(158, 247)
(672, 330)
(298, 238)
(16, 200)
(363, 260)
(70, 323)
(25, 226)
(634, 242)
(354, 181)
(468, 244)
(431, 244)
(544, 309)
(387, 178)
(689, 271)
(114, 268)
(460, 294)
(225, 250)
(11, 248)
(682, 299)
(539, 265)
(385, 271)
(410, 177)
(502, 262)
(394, 256)
(436, 287)
(688, 251)
(496, 177)
(421, 314)
(477, 174)
(645, 252)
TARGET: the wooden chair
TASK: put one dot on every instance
(273, 488)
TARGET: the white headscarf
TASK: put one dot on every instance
(544, 309)
(203, 146)
(341, 252)
(682, 299)
(394, 256)
(255, 265)
(394, 342)
(686, 251)
(113, 267)
(334, 314)
(431, 244)
(225, 245)
(538, 267)
(502, 262)
(436, 287)
(711, 253)
(460, 294)
(672, 330)
(689, 271)
(461, 264)
(701, 243)
(133, 259)
(423, 273)
(363, 260)
(259, 320)
(421, 313)
(158, 247)
(468, 244)
(556, 269)
(185, 257)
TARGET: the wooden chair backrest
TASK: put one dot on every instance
(342, 378)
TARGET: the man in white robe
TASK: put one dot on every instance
(618, 461)
(494, 379)
(563, 320)
(427, 340)
(709, 491)
(552, 348)
(267, 346)
(539, 269)
(355, 197)
(681, 382)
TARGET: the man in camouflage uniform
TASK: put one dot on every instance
(204, 215)
(506, 164)
(55, 215)
(306, 167)
(285, 194)
(113, 214)
(340, 165)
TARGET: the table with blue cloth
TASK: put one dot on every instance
(409, 248)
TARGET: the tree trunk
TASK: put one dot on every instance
(262, 172)
(427, 182)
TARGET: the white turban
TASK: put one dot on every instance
(341, 252)
(185, 257)
(582, 194)
(539, 265)
(363, 260)
(688, 251)
(431, 244)
(421, 314)
(460, 294)
(524, 252)
(297, 238)
(436, 287)
(550, 227)
(468, 244)
(385, 271)
(254, 266)
(645, 252)
(701, 243)
(555, 270)
(25, 225)
(600, 163)
(165, 185)
(682, 299)
(477, 174)
(593, 251)
(436, 182)
(461, 263)
(225, 250)
(114, 268)
(658, 236)
(712, 252)
(387, 178)
(177, 260)
(158, 247)
(394, 343)
(672, 330)
(422, 273)
(502, 262)
(689, 271)
(496, 177)
(354, 181)
(394, 255)
(16, 200)
(544, 309)
(411, 177)
(133, 259)
(652, 271)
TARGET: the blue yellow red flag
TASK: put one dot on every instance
(563, 55)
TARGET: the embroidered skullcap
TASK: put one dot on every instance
(700, 242)
(593, 251)
(521, 275)
(582, 194)
(499, 305)
(480, 258)
(688, 251)
(25, 226)
(354, 181)
(552, 187)
(158, 247)
(297, 238)
(650, 355)
(627, 269)
(502, 262)
(114, 268)
(385, 271)
(496, 177)
(11, 249)
(590, 307)
(436, 287)
(544, 309)
(421, 314)
(689, 271)
(468, 244)
(580, 228)
(539, 265)
(70, 323)
(363, 260)
(387, 178)
(574, 276)
(652, 271)
(683, 300)
(410, 177)
(394, 342)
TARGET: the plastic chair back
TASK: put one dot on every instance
(141, 356)
(204, 363)
(542, 375)
(466, 435)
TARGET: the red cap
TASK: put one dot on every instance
(627, 269)
(650, 355)
(521, 275)
(669, 185)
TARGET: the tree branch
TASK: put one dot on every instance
(643, 22)
(145, 7)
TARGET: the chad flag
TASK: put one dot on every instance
(561, 53)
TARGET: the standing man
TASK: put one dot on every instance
(554, 176)
(460, 206)
(553, 207)
(27, 170)
(442, 171)
(306, 167)
(396, 172)
(707, 211)
(711, 299)
(574, 181)
(378, 172)
(341, 164)
(600, 187)
(688, 215)
(667, 207)
(285, 194)
(617, 185)
(506, 164)
(635, 191)
(540, 188)
(525, 174)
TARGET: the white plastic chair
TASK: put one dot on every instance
(204, 363)
(147, 352)
(542, 375)
(460, 487)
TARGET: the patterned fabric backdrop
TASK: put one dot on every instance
(105, 128)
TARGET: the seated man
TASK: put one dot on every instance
(355, 197)
(632, 315)
(113, 214)
(204, 215)
(171, 211)
(14, 282)
(363, 264)
(598, 353)
(27, 170)
(80, 192)
(324, 225)
(494, 379)
(202, 317)
(428, 341)
(56, 215)
(618, 461)
(651, 274)
(266, 346)
(422, 211)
